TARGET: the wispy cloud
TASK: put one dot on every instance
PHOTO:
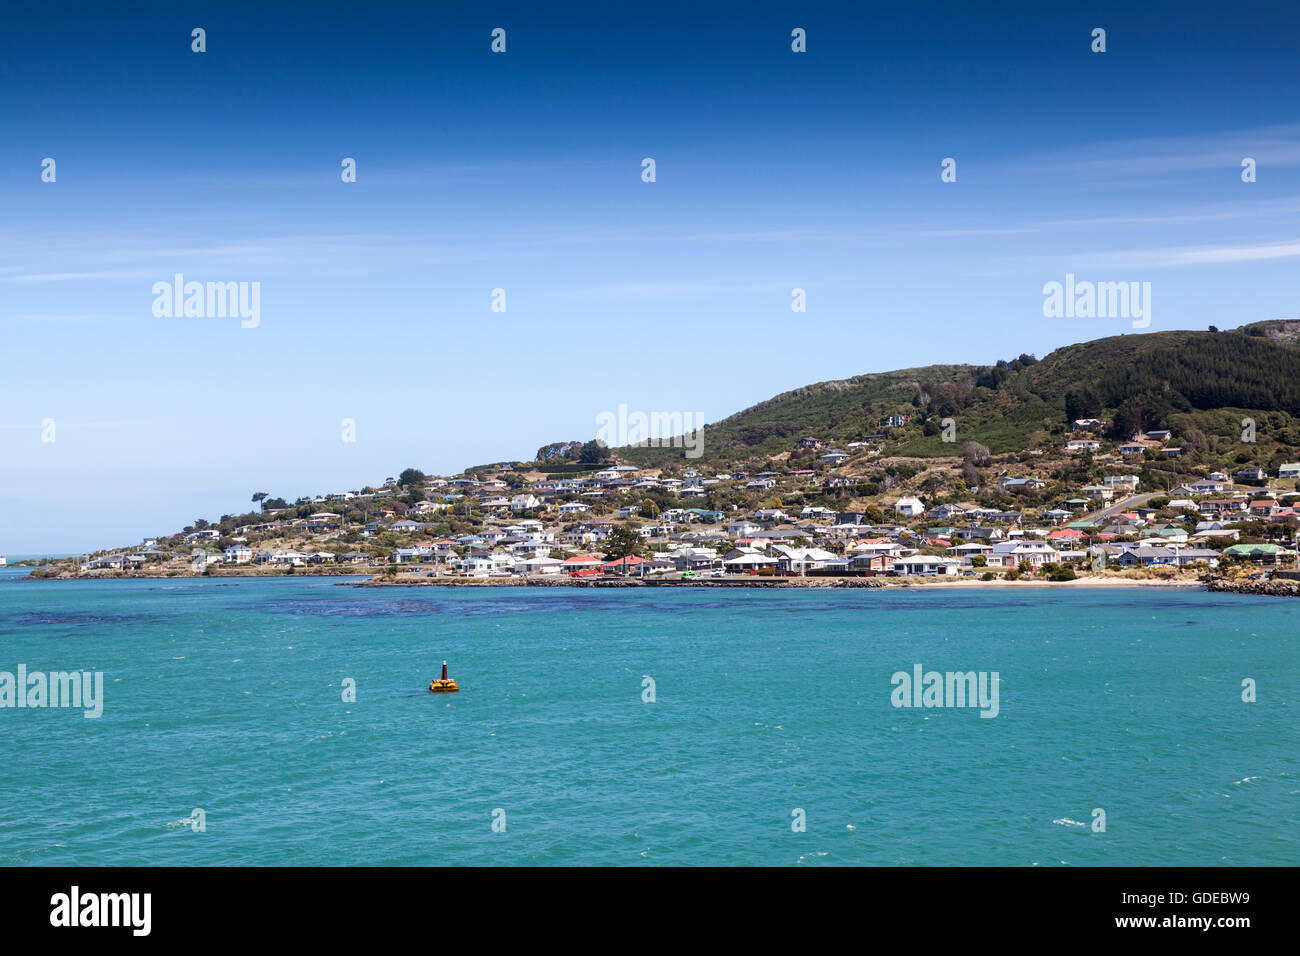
(1153, 157)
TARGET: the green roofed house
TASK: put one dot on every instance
(1261, 553)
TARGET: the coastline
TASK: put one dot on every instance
(552, 581)
(1268, 588)
(816, 583)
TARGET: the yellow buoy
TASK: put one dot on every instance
(443, 685)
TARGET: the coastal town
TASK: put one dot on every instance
(819, 513)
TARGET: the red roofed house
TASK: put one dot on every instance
(624, 565)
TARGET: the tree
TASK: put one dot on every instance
(593, 452)
(622, 542)
(561, 450)
(412, 476)
(258, 496)
(649, 508)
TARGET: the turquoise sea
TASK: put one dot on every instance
(226, 696)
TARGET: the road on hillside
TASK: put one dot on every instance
(1137, 501)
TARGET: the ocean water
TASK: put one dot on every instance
(226, 696)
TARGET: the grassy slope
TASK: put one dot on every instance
(1195, 371)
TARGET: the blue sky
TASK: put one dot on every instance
(522, 171)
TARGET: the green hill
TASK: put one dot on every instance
(1203, 382)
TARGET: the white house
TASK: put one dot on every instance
(926, 565)
(799, 560)
(909, 506)
(238, 554)
(745, 560)
(1009, 554)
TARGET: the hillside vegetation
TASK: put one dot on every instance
(1198, 382)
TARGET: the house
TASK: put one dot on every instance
(695, 559)
(944, 512)
(406, 525)
(1121, 482)
(629, 564)
(895, 421)
(1099, 492)
(1264, 507)
(1159, 434)
(811, 443)
(977, 532)
(743, 529)
(282, 557)
(524, 502)
(969, 551)
(238, 554)
(926, 565)
(747, 560)
(1007, 483)
(909, 506)
(1219, 506)
(1009, 554)
(1170, 533)
(1087, 424)
(1078, 445)
(583, 562)
(1250, 474)
(833, 457)
(792, 560)
(1129, 449)
(1290, 470)
(1273, 554)
(573, 508)
(539, 564)
(872, 562)
(1207, 486)
(1175, 557)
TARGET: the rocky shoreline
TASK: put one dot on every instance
(1274, 588)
